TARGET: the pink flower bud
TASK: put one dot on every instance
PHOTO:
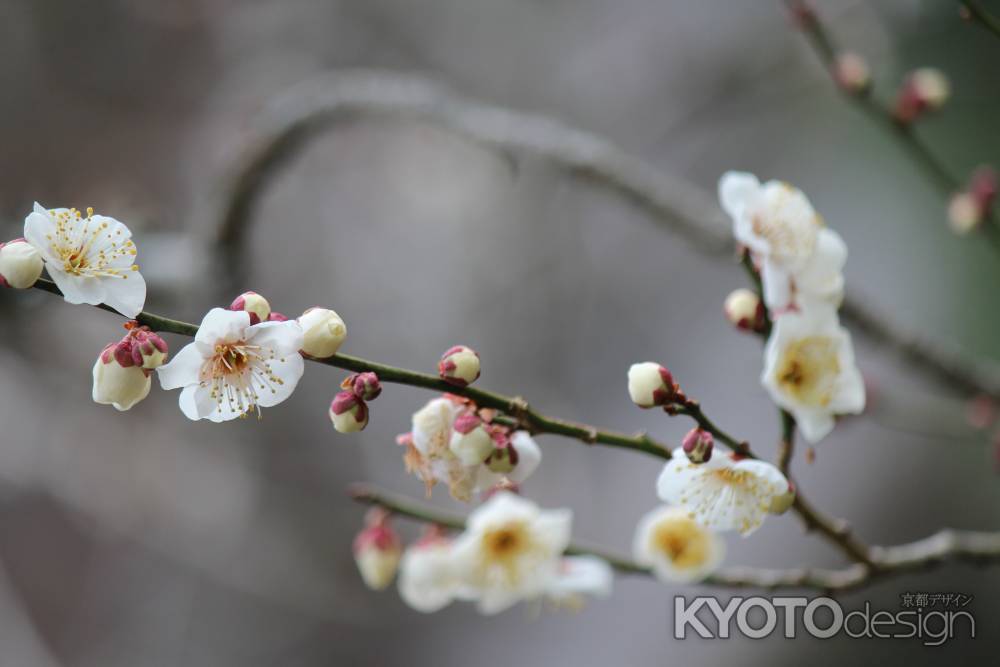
(851, 73)
(20, 264)
(925, 89)
(744, 310)
(377, 551)
(459, 366)
(365, 386)
(148, 350)
(650, 384)
(698, 445)
(277, 317)
(348, 413)
(253, 304)
(470, 441)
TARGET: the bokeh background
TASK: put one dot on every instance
(144, 539)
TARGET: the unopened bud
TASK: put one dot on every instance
(254, 305)
(20, 264)
(459, 366)
(146, 348)
(470, 442)
(650, 384)
(925, 89)
(277, 317)
(323, 332)
(851, 73)
(377, 551)
(781, 502)
(744, 310)
(118, 381)
(348, 413)
(365, 386)
(698, 445)
(964, 213)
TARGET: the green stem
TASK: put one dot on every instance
(979, 14)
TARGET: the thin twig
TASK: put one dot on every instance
(786, 448)
(974, 10)
(314, 106)
(944, 546)
(523, 415)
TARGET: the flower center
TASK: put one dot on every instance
(87, 248)
(682, 541)
(808, 370)
(237, 373)
(502, 548)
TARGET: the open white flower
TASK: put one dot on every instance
(799, 255)
(233, 368)
(511, 550)
(809, 370)
(724, 493)
(675, 546)
(428, 578)
(90, 257)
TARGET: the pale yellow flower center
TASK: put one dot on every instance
(237, 373)
(501, 551)
(681, 540)
(808, 370)
(86, 248)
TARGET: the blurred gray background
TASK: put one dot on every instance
(145, 539)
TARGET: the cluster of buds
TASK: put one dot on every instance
(459, 366)
(969, 208)
(651, 385)
(851, 73)
(20, 264)
(745, 310)
(925, 89)
(122, 370)
(349, 409)
(377, 550)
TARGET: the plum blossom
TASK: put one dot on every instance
(510, 551)
(90, 257)
(467, 468)
(801, 260)
(724, 493)
(675, 546)
(234, 368)
(809, 370)
(428, 579)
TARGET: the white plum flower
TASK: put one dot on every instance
(809, 370)
(675, 546)
(724, 493)
(798, 255)
(90, 257)
(233, 368)
(428, 578)
(511, 551)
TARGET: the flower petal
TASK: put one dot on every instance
(183, 369)
(77, 289)
(287, 369)
(39, 227)
(127, 294)
(285, 338)
(222, 326)
(737, 189)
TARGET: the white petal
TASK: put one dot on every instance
(38, 227)
(581, 574)
(814, 424)
(77, 289)
(737, 189)
(502, 507)
(196, 402)
(183, 369)
(553, 528)
(285, 338)
(127, 295)
(777, 283)
(529, 456)
(289, 370)
(222, 326)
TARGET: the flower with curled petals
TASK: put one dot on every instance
(90, 257)
(234, 368)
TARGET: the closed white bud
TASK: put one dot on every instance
(931, 86)
(851, 72)
(20, 264)
(469, 440)
(377, 551)
(964, 213)
(744, 309)
(323, 332)
(459, 366)
(348, 413)
(650, 384)
(118, 385)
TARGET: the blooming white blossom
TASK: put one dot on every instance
(429, 454)
(428, 579)
(233, 367)
(724, 493)
(90, 257)
(20, 264)
(809, 370)
(801, 259)
(675, 546)
(511, 551)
